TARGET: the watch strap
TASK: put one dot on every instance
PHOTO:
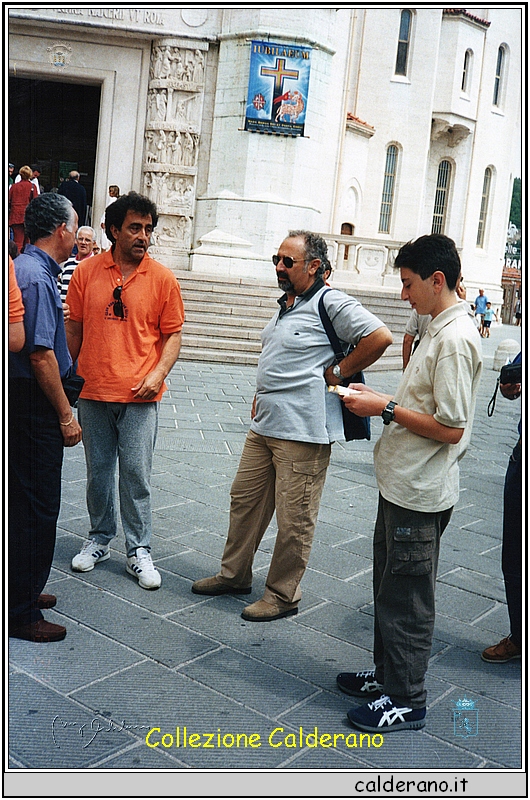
(388, 412)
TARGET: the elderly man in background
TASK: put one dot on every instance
(76, 193)
(41, 422)
(85, 240)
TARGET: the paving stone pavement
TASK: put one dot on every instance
(135, 660)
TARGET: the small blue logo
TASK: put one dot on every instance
(465, 718)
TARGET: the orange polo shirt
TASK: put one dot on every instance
(117, 353)
(16, 306)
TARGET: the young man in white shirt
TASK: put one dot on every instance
(427, 429)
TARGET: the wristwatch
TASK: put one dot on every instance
(388, 413)
(337, 373)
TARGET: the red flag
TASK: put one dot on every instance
(280, 99)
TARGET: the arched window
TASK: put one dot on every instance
(403, 42)
(441, 197)
(466, 72)
(484, 205)
(499, 74)
(389, 182)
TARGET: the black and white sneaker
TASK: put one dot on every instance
(359, 684)
(91, 554)
(384, 714)
(141, 566)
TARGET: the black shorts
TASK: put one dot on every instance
(487, 323)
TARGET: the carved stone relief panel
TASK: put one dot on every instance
(172, 139)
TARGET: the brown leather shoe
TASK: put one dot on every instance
(40, 631)
(212, 586)
(262, 611)
(46, 601)
(502, 652)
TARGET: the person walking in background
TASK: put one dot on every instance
(76, 193)
(21, 193)
(126, 317)
(35, 175)
(518, 309)
(85, 240)
(489, 316)
(114, 193)
(41, 422)
(480, 307)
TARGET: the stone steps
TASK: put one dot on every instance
(224, 318)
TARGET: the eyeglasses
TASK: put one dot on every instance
(288, 262)
(118, 305)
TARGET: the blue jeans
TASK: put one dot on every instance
(124, 434)
(406, 548)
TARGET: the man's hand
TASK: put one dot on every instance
(368, 349)
(66, 312)
(149, 387)
(511, 391)
(72, 433)
(368, 403)
(46, 370)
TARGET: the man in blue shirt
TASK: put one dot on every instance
(41, 421)
(481, 302)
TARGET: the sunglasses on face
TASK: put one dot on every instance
(288, 262)
(118, 305)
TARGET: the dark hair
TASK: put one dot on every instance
(116, 212)
(315, 247)
(12, 248)
(45, 213)
(429, 254)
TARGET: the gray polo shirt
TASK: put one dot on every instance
(292, 400)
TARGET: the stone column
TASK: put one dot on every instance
(172, 135)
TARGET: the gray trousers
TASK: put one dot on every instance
(406, 548)
(124, 434)
(281, 475)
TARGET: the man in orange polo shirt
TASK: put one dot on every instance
(126, 317)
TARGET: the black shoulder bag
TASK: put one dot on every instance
(354, 427)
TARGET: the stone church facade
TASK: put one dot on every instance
(412, 125)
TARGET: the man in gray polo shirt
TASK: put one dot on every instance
(294, 421)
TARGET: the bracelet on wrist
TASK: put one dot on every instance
(65, 424)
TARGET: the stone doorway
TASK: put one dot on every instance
(54, 124)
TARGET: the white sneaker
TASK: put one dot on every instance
(142, 567)
(91, 554)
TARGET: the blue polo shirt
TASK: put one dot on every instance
(37, 273)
